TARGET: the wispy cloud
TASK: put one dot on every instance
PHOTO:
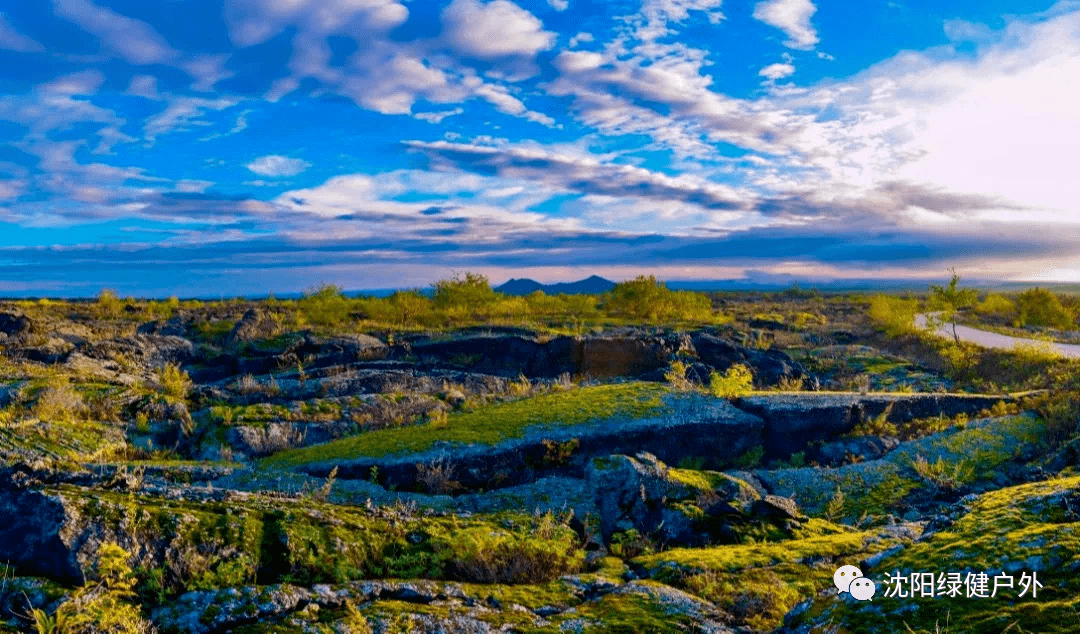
(275, 165)
(133, 40)
(12, 40)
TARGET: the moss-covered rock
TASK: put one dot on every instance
(185, 545)
(1027, 529)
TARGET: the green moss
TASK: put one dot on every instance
(1014, 529)
(491, 424)
(759, 583)
(75, 441)
(215, 545)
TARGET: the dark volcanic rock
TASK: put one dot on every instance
(254, 325)
(794, 421)
(504, 355)
(339, 350)
(769, 366)
(15, 324)
(151, 351)
(721, 434)
(53, 351)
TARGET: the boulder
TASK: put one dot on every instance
(340, 349)
(644, 494)
(53, 351)
(15, 324)
(769, 366)
(150, 351)
(254, 325)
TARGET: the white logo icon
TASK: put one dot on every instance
(862, 589)
(843, 577)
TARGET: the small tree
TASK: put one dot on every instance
(950, 298)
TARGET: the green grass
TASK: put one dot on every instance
(1028, 525)
(757, 584)
(491, 424)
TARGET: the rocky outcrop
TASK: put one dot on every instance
(794, 421)
(15, 324)
(150, 351)
(769, 366)
(721, 433)
(675, 507)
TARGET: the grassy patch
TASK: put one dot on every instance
(491, 424)
(1016, 529)
(757, 584)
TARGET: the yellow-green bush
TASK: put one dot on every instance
(738, 380)
(894, 315)
(1041, 307)
(997, 305)
(645, 297)
(104, 605)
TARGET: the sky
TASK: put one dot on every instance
(206, 147)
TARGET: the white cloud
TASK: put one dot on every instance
(559, 5)
(275, 166)
(12, 40)
(437, 117)
(207, 70)
(777, 71)
(496, 29)
(793, 18)
(579, 38)
(131, 39)
(252, 22)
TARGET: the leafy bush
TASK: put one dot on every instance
(104, 605)
(324, 306)
(894, 315)
(109, 304)
(58, 401)
(174, 383)
(996, 305)
(944, 475)
(645, 297)
(487, 556)
(676, 376)
(471, 291)
(1041, 307)
(738, 380)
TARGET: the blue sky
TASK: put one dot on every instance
(205, 147)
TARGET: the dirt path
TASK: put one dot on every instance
(989, 339)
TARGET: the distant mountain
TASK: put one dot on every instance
(521, 286)
(589, 286)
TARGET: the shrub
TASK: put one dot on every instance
(58, 401)
(104, 605)
(437, 477)
(109, 304)
(894, 315)
(1041, 307)
(324, 305)
(676, 376)
(486, 556)
(944, 475)
(174, 383)
(472, 291)
(738, 380)
(996, 305)
(645, 297)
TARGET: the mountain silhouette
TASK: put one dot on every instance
(593, 285)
